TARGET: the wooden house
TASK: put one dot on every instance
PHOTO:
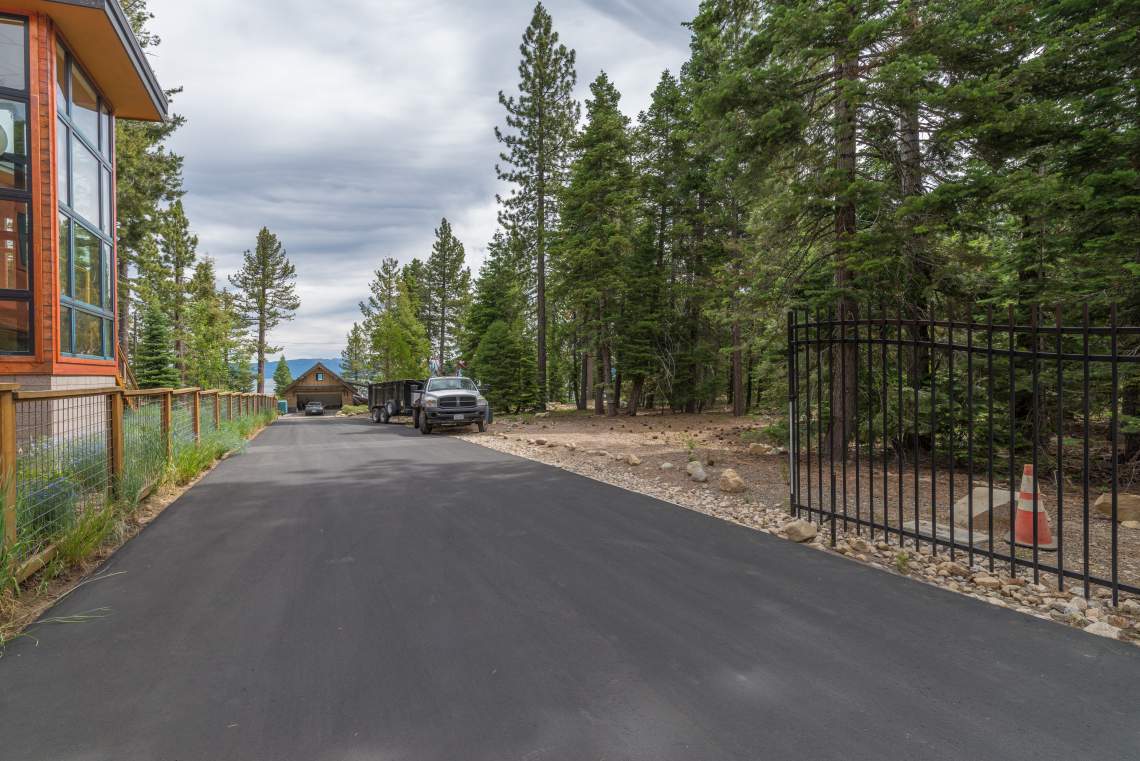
(68, 70)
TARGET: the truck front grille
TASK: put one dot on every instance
(456, 402)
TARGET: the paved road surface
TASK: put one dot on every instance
(350, 592)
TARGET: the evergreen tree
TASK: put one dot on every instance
(154, 363)
(178, 253)
(413, 280)
(505, 367)
(282, 375)
(148, 176)
(211, 328)
(355, 360)
(399, 343)
(599, 210)
(383, 289)
(447, 285)
(541, 124)
(266, 294)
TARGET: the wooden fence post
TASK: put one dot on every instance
(8, 460)
(116, 443)
(167, 428)
(197, 412)
(217, 409)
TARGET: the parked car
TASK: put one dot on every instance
(450, 401)
(314, 408)
(393, 398)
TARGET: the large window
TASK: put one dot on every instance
(15, 190)
(84, 151)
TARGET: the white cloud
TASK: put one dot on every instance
(350, 127)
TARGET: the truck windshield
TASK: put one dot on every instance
(451, 384)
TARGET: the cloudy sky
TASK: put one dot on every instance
(350, 127)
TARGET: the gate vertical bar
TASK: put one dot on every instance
(1085, 447)
(990, 431)
(1060, 457)
(1034, 328)
(1114, 432)
(1012, 443)
(970, 433)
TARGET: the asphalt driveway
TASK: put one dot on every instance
(347, 591)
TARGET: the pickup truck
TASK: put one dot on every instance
(449, 401)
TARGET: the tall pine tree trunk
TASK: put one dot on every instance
(607, 374)
(843, 356)
(738, 399)
(261, 356)
(635, 394)
(540, 266)
(599, 384)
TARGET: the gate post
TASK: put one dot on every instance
(167, 428)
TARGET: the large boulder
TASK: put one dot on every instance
(800, 531)
(1127, 506)
(982, 508)
(730, 482)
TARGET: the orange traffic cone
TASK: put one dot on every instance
(1024, 520)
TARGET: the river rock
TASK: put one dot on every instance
(1102, 629)
(633, 459)
(668, 466)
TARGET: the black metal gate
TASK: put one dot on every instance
(899, 426)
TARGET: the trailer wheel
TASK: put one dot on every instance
(384, 416)
(375, 414)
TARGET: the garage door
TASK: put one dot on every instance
(329, 400)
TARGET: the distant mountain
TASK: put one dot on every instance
(296, 367)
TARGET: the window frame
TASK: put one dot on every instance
(23, 196)
(65, 189)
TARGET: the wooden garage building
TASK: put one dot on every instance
(317, 384)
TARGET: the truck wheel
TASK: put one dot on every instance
(375, 414)
(482, 426)
(425, 426)
(384, 416)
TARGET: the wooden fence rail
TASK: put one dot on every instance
(62, 452)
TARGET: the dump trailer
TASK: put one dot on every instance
(393, 398)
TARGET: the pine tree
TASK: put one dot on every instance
(542, 122)
(178, 253)
(356, 360)
(148, 176)
(266, 294)
(413, 279)
(447, 285)
(383, 289)
(154, 363)
(210, 330)
(599, 208)
(399, 343)
(505, 367)
(282, 375)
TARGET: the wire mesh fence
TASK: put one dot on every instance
(63, 453)
(182, 420)
(62, 465)
(1002, 443)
